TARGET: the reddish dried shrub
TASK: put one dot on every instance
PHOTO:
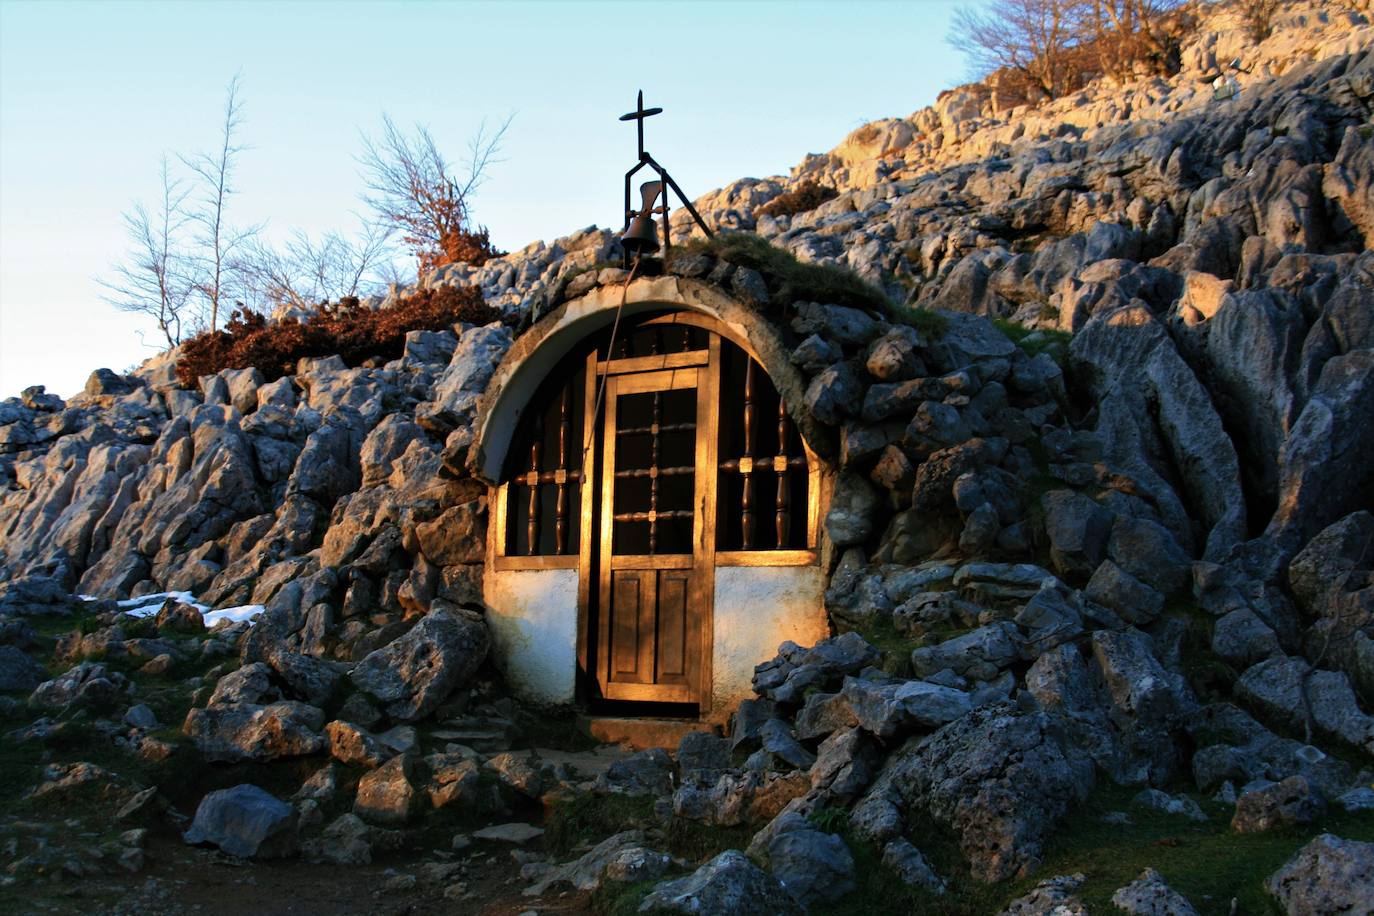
(456, 245)
(807, 195)
(353, 333)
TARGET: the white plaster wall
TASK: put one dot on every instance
(758, 607)
(532, 614)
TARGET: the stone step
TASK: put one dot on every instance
(643, 733)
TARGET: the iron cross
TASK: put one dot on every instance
(638, 115)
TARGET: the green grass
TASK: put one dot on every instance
(788, 279)
(614, 898)
(1055, 343)
(589, 819)
(931, 324)
(883, 635)
(1207, 863)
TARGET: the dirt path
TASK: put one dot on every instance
(185, 880)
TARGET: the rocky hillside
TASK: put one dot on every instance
(1096, 378)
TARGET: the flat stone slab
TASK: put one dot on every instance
(516, 833)
(586, 764)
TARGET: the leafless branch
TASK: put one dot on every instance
(215, 171)
(307, 271)
(154, 279)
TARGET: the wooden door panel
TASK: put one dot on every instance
(674, 627)
(632, 599)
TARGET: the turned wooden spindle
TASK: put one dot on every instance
(536, 453)
(747, 469)
(783, 519)
(561, 508)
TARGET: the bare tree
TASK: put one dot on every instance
(1125, 33)
(215, 171)
(413, 190)
(1034, 38)
(153, 280)
(307, 271)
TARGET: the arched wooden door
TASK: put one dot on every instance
(690, 462)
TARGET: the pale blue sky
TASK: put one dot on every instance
(92, 94)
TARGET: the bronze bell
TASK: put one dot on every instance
(642, 235)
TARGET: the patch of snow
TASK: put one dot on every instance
(244, 613)
(148, 605)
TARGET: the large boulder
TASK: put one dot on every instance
(239, 732)
(1324, 467)
(245, 821)
(620, 857)
(1148, 704)
(1328, 875)
(387, 795)
(1293, 802)
(1282, 689)
(814, 867)
(998, 777)
(412, 675)
(1077, 527)
(731, 799)
(1149, 895)
(18, 671)
(729, 883)
(86, 684)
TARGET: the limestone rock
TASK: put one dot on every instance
(245, 731)
(86, 684)
(835, 394)
(1119, 591)
(647, 772)
(1149, 895)
(345, 841)
(1328, 875)
(454, 778)
(1077, 527)
(998, 778)
(250, 683)
(245, 821)
(620, 857)
(1294, 801)
(18, 671)
(852, 509)
(520, 771)
(979, 654)
(814, 867)
(1242, 638)
(387, 794)
(412, 675)
(516, 834)
(911, 866)
(729, 883)
(1051, 897)
(1274, 688)
(732, 799)
(350, 744)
